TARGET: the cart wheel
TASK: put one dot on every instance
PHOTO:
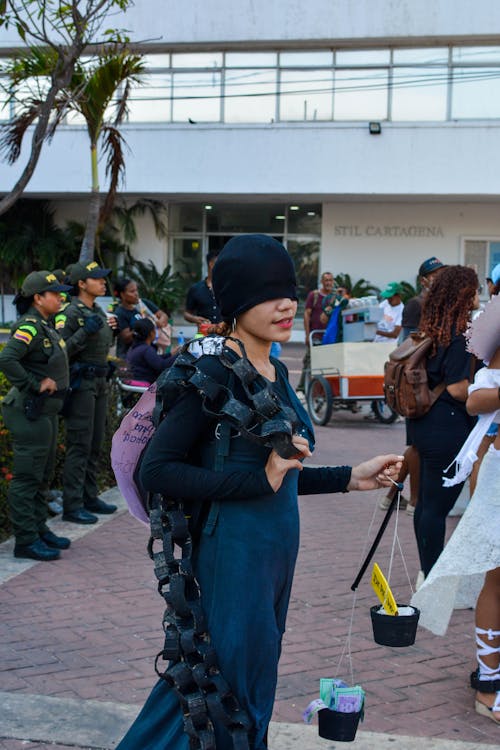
(382, 412)
(319, 400)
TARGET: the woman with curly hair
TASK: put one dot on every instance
(440, 433)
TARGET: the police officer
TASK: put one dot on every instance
(88, 334)
(34, 360)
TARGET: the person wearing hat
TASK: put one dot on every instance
(35, 362)
(412, 312)
(392, 311)
(244, 554)
(88, 334)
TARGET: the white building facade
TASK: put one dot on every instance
(366, 136)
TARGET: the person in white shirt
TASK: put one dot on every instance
(392, 307)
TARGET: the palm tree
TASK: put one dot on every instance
(362, 287)
(94, 89)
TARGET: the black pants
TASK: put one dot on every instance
(438, 437)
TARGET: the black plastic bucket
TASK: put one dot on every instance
(335, 725)
(394, 630)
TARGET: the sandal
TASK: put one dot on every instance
(486, 679)
(484, 710)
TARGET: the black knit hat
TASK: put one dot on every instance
(251, 269)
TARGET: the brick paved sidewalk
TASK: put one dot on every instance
(87, 627)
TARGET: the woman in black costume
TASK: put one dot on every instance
(245, 556)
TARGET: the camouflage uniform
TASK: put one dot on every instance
(85, 413)
(34, 352)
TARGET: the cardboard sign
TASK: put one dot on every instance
(129, 441)
(384, 593)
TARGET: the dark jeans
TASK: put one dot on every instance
(438, 437)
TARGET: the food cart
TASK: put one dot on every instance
(346, 373)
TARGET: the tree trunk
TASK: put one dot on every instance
(88, 242)
(67, 66)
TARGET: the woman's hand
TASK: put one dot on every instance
(375, 473)
(48, 386)
(277, 467)
(112, 321)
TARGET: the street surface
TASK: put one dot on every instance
(78, 636)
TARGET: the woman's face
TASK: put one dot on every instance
(270, 321)
(49, 303)
(130, 295)
(94, 287)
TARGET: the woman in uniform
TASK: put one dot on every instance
(88, 334)
(34, 360)
(244, 557)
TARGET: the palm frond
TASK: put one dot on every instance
(407, 291)
(101, 84)
(113, 147)
(164, 288)
(13, 132)
(38, 62)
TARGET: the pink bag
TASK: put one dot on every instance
(130, 439)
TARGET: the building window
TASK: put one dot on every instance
(297, 226)
(482, 255)
(196, 97)
(400, 84)
(250, 95)
(306, 95)
(360, 94)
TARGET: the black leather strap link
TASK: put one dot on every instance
(192, 672)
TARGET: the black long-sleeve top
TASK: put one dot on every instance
(170, 463)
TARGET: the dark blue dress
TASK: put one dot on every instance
(244, 561)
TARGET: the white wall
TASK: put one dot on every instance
(168, 21)
(148, 246)
(322, 160)
(368, 240)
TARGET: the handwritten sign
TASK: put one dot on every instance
(127, 445)
(384, 593)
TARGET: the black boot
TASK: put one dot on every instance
(37, 550)
(54, 541)
(80, 515)
(96, 505)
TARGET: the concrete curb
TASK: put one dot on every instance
(99, 725)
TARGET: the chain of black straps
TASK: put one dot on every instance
(193, 673)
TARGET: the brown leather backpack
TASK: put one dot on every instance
(406, 386)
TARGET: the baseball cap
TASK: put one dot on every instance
(38, 282)
(391, 289)
(60, 275)
(430, 265)
(82, 271)
(495, 274)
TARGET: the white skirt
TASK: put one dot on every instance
(474, 548)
